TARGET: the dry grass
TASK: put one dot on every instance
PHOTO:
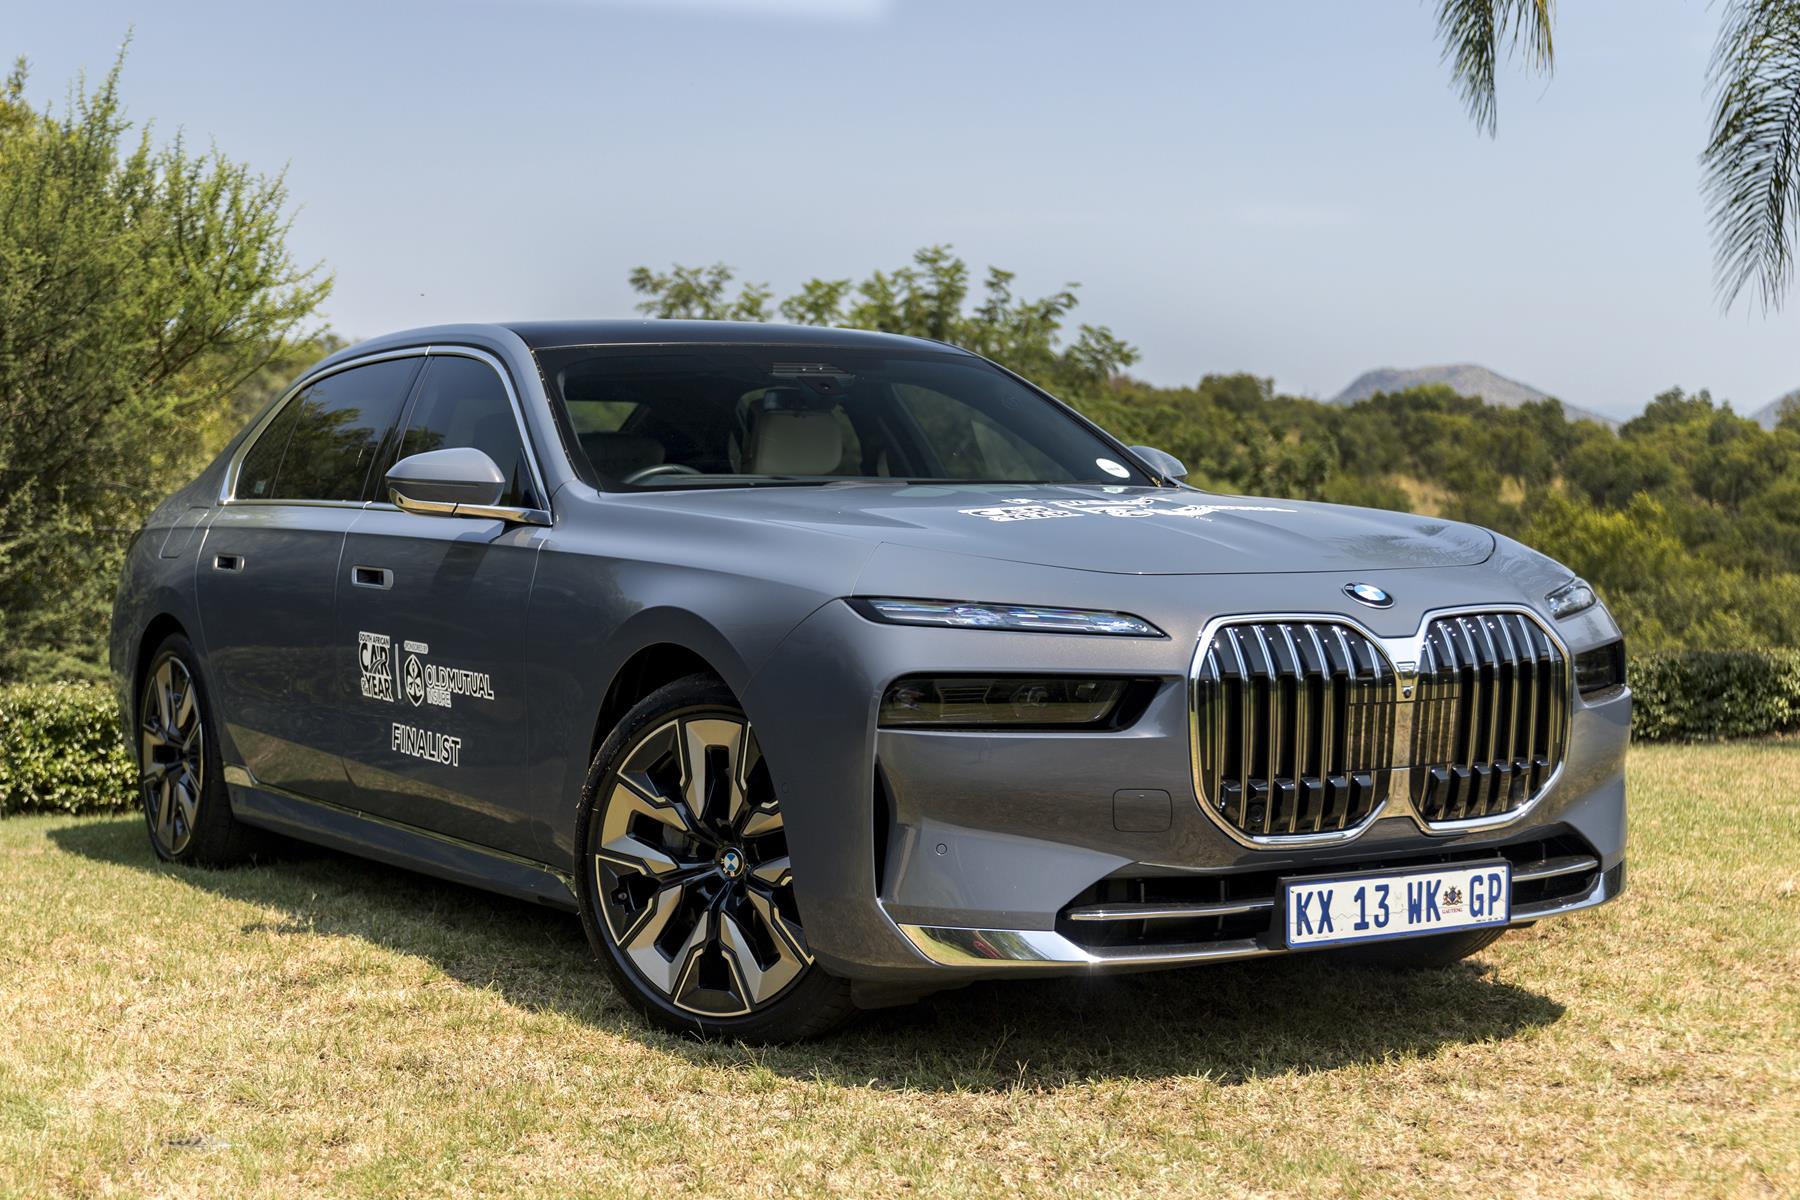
(320, 1025)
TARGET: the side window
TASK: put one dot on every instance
(256, 473)
(463, 403)
(336, 432)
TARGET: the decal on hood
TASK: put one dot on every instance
(1134, 506)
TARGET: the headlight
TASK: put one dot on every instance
(1572, 597)
(975, 701)
(1014, 617)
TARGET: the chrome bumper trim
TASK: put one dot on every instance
(1552, 868)
(1167, 912)
(1027, 949)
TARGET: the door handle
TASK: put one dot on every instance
(228, 562)
(372, 577)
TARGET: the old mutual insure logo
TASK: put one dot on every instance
(1369, 594)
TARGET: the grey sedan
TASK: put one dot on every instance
(819, 670)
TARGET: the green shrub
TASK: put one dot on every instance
(60, 750)
(1705, 695)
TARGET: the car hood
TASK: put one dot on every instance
(1125, 530)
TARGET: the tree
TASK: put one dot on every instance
(1751, 163)
(140, 285)
(928, 298)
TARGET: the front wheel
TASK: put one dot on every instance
(686, 890)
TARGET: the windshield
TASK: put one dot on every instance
(741, 416)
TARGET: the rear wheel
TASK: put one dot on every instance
(686, 890)
(180, 779)
(1414, 954)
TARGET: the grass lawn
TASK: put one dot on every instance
(322, 1025)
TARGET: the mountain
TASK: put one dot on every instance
(1771, 413)
(1467, 379)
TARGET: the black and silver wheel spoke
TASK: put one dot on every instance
(691, 869)
(171, 749)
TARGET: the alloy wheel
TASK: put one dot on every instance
(171, 753)
(691, 869)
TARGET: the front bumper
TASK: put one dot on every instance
(995, 951)
(921, 854)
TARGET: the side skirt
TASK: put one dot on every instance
(396, 844)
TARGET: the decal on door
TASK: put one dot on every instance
(375, 654)
(415, 676)
(442, 748)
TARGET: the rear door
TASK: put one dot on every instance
(268, 571)
(443, 602)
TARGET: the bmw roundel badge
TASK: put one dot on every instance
(1369, 594)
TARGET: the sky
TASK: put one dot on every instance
(1288, 188)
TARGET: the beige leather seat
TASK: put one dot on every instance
(795, 442)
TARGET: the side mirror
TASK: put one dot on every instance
(459, 482)
(1161, 461)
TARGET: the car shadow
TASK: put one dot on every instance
(1229, 1022)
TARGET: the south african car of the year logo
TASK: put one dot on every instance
(374, 654)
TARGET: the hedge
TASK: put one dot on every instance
(60, 749)
(1706, 695)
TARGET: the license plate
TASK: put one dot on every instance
(1373, 906)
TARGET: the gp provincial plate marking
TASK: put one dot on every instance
(1136, 506)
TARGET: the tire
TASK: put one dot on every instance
(1420, 954)
(181, 780)
(685, 890)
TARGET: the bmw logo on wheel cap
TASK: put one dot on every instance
(1369, 594)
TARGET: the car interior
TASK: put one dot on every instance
(661, 420)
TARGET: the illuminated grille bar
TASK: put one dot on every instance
(1491, 716)
(1294, 727)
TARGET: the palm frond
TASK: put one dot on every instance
(1751, 165)
(1475, 31)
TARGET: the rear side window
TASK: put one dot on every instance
(324, 442)
(256, 475)
(462, 402)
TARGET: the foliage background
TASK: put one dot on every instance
(146, 294)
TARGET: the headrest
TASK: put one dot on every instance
(787, 441)
(616, 455)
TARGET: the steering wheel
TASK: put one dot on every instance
(647, 473)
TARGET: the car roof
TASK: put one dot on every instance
(642, 331)
(541, 335)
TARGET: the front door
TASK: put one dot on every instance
(268, 570)
(438, 605)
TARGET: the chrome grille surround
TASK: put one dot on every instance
(1391, 709)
